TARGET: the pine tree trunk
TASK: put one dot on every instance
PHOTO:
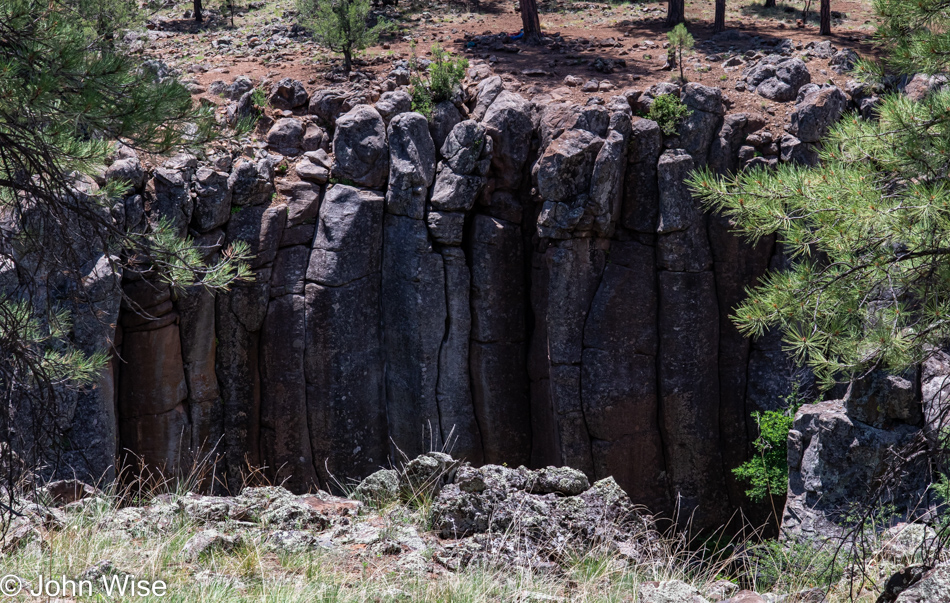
(347, 60)
(198, 18)
(825, 28)
(676, 12)
(530, 21)
(720, 23)
(769, 3)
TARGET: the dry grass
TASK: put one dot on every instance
(251, 572)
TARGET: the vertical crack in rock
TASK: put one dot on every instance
(454, 389)
(153, 422)
(240, 316)
(413, 291)
(689, 348)
(737, 265)
(619, 384)
(286, 452)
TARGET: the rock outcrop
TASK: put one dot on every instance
(515, 282)
(843, 453)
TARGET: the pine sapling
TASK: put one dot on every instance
(680, 40)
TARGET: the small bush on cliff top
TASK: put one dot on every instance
(668, 111)
(436, 83)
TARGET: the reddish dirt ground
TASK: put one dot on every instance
(533, 70)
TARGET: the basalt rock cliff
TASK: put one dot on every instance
(512, 280)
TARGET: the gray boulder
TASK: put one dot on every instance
(702, 98)
(882, 400)
(565, 168)
(484, 506)
(669, 591)
(453, 192)
(508, 122)
(816, 113)
(485, 94)
(834, 462)
(360, 147)
(288, 94)
(796, 151)
(171, 199)
(843, 61)
(777, 78)
(391, 104)
(239, 87)
(677, 208)
(329, 103)
(127, 170)
(315, 138)
(286, 136)
(251, 183)
(380, 487)
(467, 148)
(213, 202)
(412, 157)
(933, 586)
(445, 116)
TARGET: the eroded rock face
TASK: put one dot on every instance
(519, 283)
(835, 460)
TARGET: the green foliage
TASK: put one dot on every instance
(767, 472)
(66, 92)
(437, 83)
(788, 566)
(341, 25)
(680, 40)
(868, 231)
(259, 98)
(668, 111)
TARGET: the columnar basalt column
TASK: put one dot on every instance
(343, 362)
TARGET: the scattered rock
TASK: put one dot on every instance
(288, 94)
(669, 591)
(379, 488)
(207, 540)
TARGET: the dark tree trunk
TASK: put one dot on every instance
(530, 21)
(676, 12)
(198, 18)
(825, 29)
(347, 60)
(720, 23)
(769, 3)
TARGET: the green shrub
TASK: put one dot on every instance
(668, 111)
(790, 566)
(438, 82)
(767, 472)
(340, 25)
(259, 98)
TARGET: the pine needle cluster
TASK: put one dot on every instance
(67, 93)
(867, 232)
